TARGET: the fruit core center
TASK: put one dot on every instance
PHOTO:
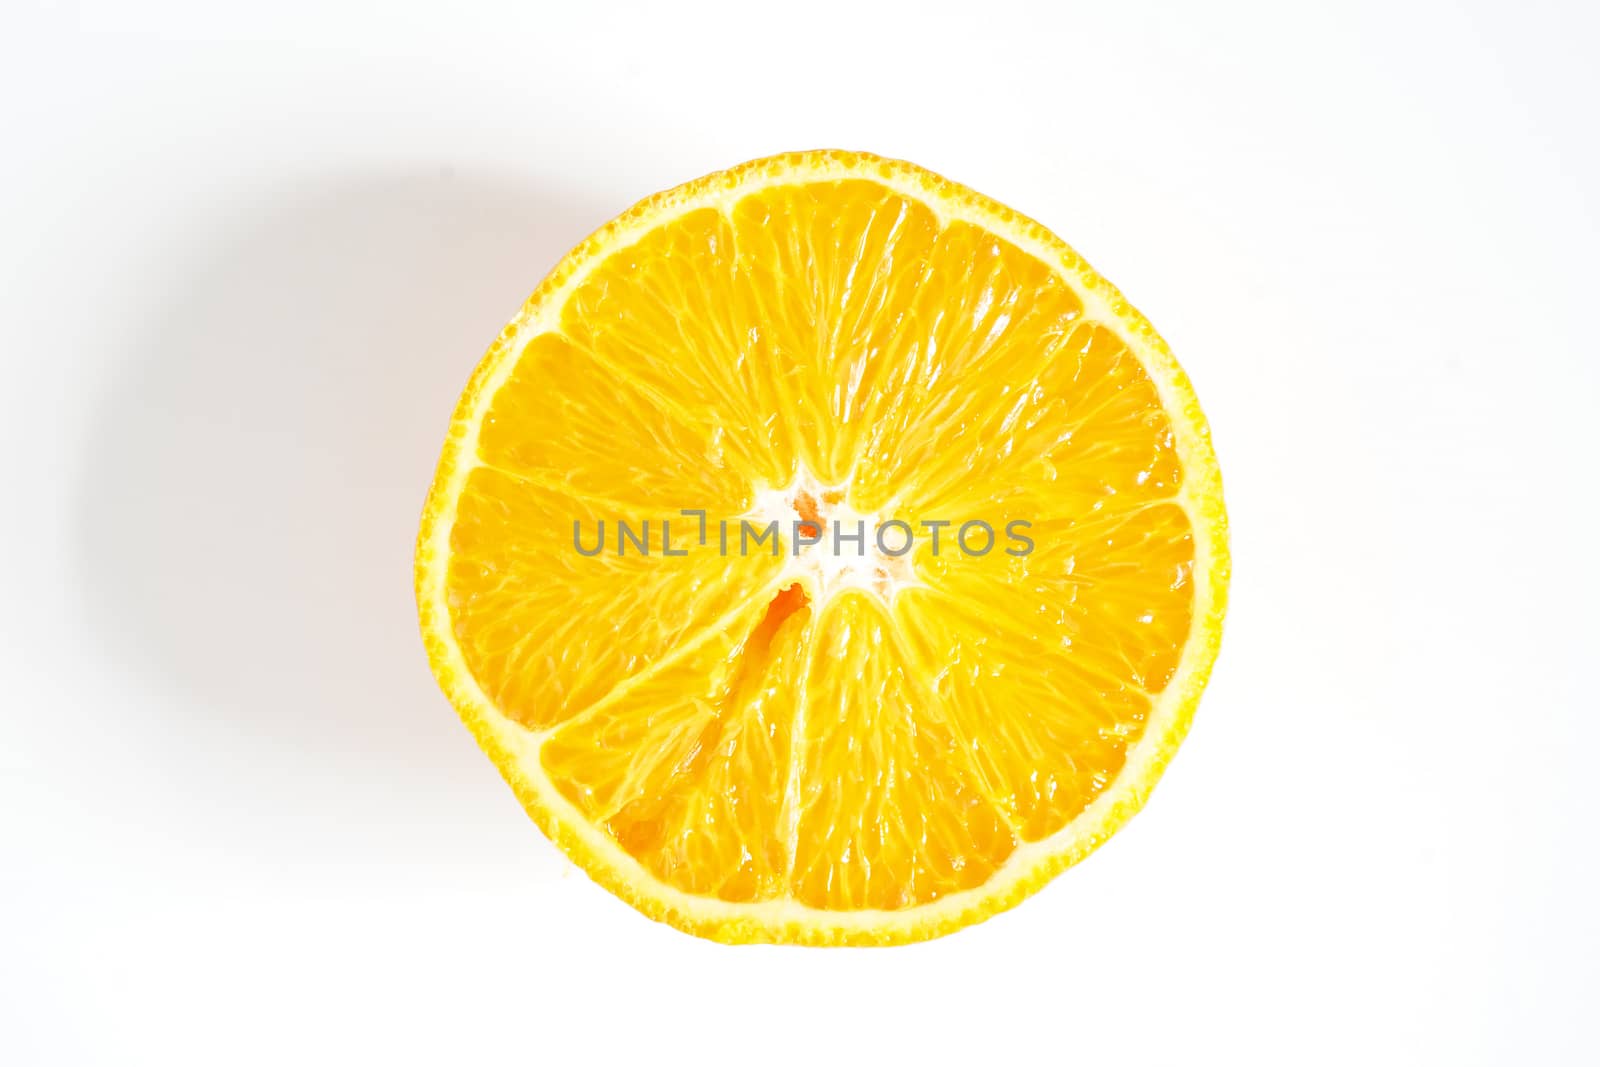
(828, 546)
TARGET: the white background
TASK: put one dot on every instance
(249, 259)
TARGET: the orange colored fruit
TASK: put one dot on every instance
(832, 744)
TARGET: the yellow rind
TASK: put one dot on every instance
(514, 749)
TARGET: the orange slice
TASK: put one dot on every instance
(825, 554)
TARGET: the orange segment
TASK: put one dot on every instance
(987, 311)
(833, 742)
(515, 575)
(566, 420)
(660, 314)
(674, 760)
(890, 811)
(829, 275)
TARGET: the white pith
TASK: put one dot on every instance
(836, 563)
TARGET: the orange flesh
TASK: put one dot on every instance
(805, 505)
(738, 736)
(788, 601)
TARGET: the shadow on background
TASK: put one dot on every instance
(246, 521)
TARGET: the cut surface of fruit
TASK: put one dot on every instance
(825, 554)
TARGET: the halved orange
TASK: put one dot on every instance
(841, 733)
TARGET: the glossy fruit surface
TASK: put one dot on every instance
(829, 744)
